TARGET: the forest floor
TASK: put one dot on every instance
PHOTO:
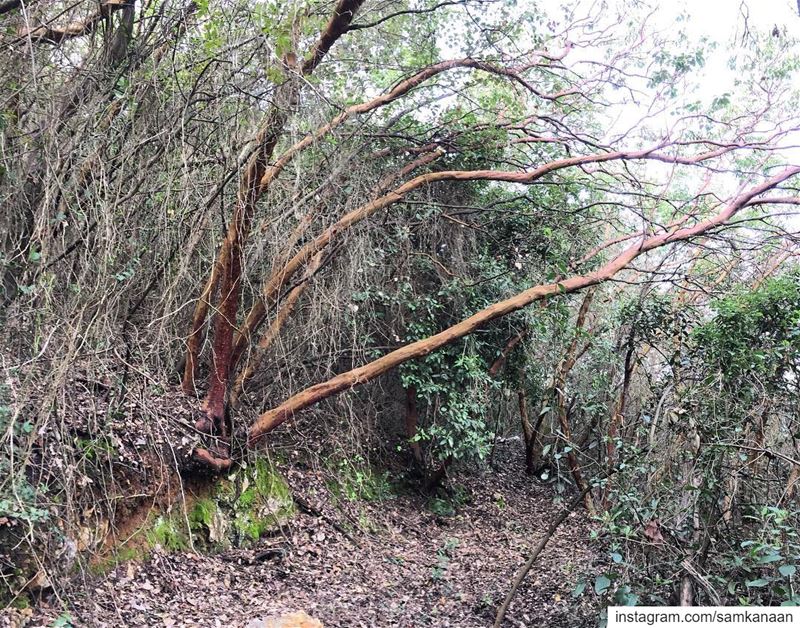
(398, 558)
(402, 566)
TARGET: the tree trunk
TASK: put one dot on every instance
(227, 271)
(412, 419)
(529, 433)
(619, 411)
(560, 401)
(255, 180)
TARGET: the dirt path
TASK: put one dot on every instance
(410, 568)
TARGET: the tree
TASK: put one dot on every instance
(300, 200)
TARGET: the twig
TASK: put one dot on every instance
(761, 450)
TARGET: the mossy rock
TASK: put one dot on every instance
(251, 502)
(242, 507)
(169, 533)
(263, 503)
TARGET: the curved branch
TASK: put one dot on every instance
(275, 284)
(280, 276)
(337, 26)
(314, 394)
(386, 18)
(226, 270)
(56, 35)
(398, 91)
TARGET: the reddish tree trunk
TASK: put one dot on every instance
(287, 307)
(281, 276)
(256, 179)
(501, 360)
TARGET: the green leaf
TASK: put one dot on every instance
(579, 589)
(601, 584)
(759, 582)
(787, 570)
(63, 621)
(616, 557)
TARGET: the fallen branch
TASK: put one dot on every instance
(554, 525)
(307, 508)
(523, 571)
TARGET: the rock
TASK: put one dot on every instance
(292, 620)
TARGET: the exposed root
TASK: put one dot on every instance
(217, 463)
(204, 425)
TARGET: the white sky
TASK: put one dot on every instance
(729, 23)
(724, 20)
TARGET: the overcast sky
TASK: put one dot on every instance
(724, 20)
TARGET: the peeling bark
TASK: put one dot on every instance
(266, 341)
(254, 182)
(227, 269)
(283, 273)
(278, 280)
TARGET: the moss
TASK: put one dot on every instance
(247, 498)
(21, 602)
(169, 533)
(263, 503)
(202, 514)
(250, 527)
(242, 508)
(121, 555)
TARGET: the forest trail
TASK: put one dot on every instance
(410, 567)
